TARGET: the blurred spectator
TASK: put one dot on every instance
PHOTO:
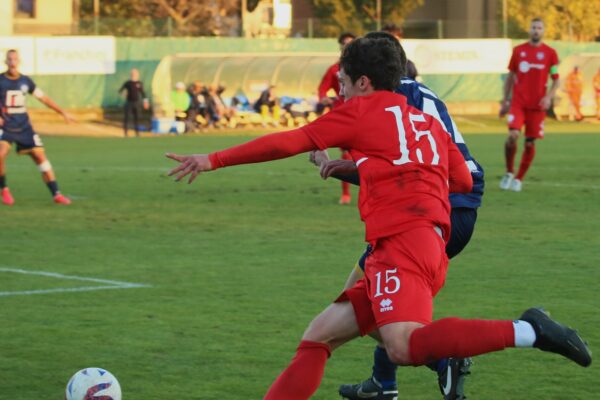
(135, 99)
(181, 103)
(218, 112)
(266, 98)
(597, 91)
(268, 107)
(197, 113)
(574, 88)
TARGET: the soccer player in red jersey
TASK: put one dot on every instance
(530, 65)
(15, 127)
(330, 82)
(407, 165)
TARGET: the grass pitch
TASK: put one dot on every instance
(238, 263)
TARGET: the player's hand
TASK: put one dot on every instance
(191, 165)
(318, 157)
(146, 104)
(69, 118)
(1, 121)
(504, 108)
(338, 167)
(326, 101)
(546, 102)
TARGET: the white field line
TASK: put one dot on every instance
(108, 284)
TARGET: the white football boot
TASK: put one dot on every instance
(515, 185)
(506, 181)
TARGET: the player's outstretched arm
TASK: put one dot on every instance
(508, 85)
(48, 102)
(266, 148)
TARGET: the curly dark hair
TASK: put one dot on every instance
(409, 68)
(378, 56)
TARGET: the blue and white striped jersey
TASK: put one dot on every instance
(12, 102)
(423, 98)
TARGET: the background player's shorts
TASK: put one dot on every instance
(403, 274)
(533, 120)
(26, 139)
(462, 226)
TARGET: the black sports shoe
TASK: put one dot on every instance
(369, 389)
(452, 378)
(556, 338)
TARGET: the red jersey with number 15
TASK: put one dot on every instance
(531, 66)
(405, 159)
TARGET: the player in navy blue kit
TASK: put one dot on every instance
(451, 372)
(15, 127)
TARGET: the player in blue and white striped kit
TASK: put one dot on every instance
(382, 384)
(15, 127)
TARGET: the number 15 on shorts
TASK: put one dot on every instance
(388, 284)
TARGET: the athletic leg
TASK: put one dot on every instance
(38, 155)
(126, 109)
(346, 197)
(516, 119)
(7, 197)
(527, 158)
(135, 109)
(328, 331)
(384, 370)
(510, 149)
(534, 129)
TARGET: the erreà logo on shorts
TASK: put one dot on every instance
(386, 305)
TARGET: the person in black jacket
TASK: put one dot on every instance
(136, 97)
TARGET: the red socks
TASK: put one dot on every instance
(526, 160)
(454, 337)
(345, 189)
(303, 376)
(510, 149)
(345, 185)
(440, 339)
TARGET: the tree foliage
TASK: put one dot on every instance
(188, 17)
(563, 19)
(359, 16)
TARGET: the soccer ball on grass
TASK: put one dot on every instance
(93, 384)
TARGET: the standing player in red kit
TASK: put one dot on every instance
(330, 82)
(529, 67)
(407, 165)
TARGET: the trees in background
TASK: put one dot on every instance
(178, 17)
(359, 16)
(563, 19)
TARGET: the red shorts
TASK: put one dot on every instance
(533, 120)
(402, 276)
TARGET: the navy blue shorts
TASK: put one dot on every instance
(25, 140)
(462, 221)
